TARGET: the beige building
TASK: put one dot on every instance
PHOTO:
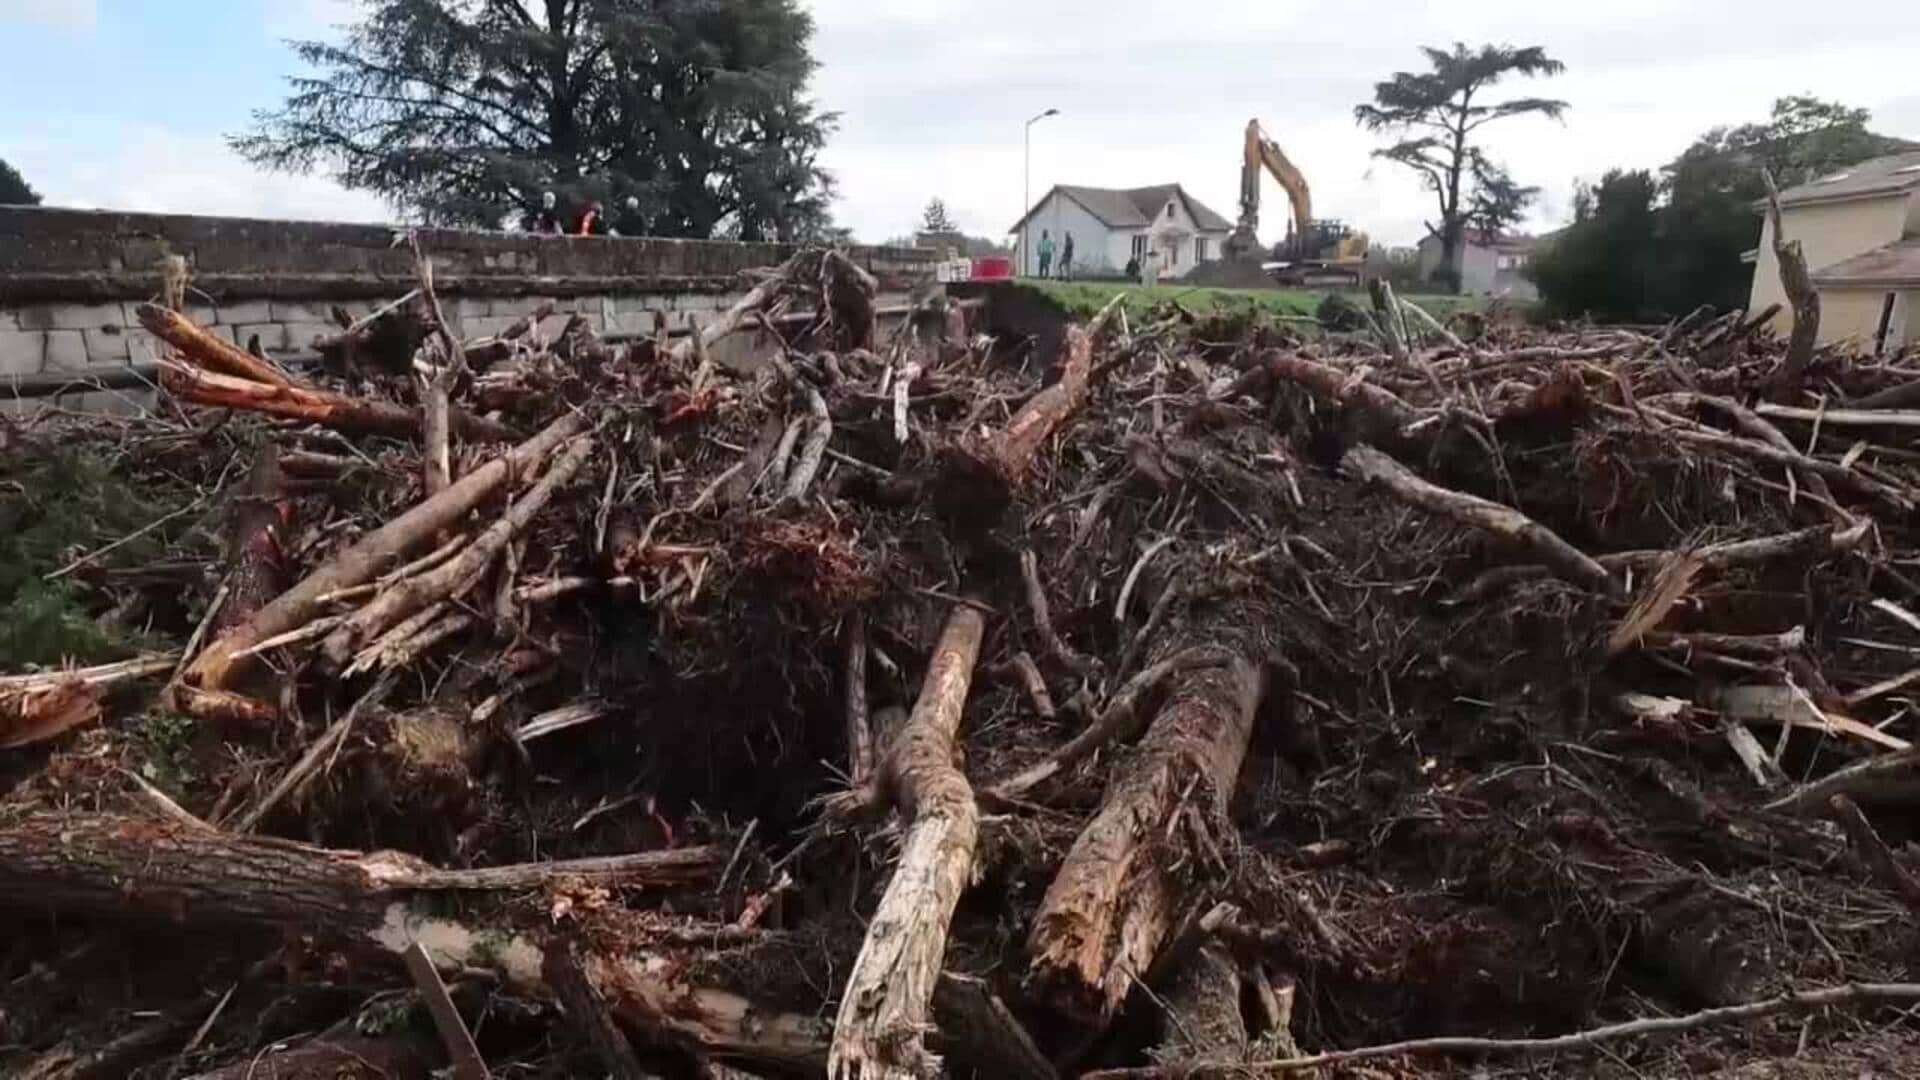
(1860, 229)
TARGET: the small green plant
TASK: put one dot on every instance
(56, 505)
(166, 737)
(384, 1014)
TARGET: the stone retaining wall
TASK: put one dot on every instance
(70, 279)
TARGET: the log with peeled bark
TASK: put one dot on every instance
(217, 665)
(1117, 895)
(129, 869)
(885, 1007)
(324, 407)
(1502, 521)
(206, 349)
(449, 579)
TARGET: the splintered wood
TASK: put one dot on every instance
(818, 690)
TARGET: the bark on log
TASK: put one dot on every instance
(1797, 283)
(215, 667)
(883, 1014)
(1202, 1022)
(1109, 909)
(448, 580)
(205, 349)
(1338, 386)
(1502, 521)
(121, 868)
(256, 564)
(586, 1011)
(324, 407)
(1014, 448)
(979, 1033)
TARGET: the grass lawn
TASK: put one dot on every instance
(1083, 299)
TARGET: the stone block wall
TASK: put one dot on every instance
(70, 280)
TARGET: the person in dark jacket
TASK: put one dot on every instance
(1066, 258)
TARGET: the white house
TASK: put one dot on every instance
(1487, 264)
(1110, 227)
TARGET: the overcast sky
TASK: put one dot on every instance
(123, 104)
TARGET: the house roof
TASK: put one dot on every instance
(1896, 264)
(1131, 208)
(1504, 242)
(1887, 175)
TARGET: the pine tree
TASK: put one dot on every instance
(464, 113)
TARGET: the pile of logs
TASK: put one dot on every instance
(905, 704)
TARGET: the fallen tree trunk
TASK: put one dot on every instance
(206, 349)
(884, 1009)
(323, 407)
(1202, 1021)
(213, 669)
(123, 868)
(1503, 521)
(1111, 906)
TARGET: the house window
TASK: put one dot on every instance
(1886, 325)
(1169, 211)
(1173, 254)
(1140, 245)
(1199, 249)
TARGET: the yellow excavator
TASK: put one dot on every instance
(1315, 251)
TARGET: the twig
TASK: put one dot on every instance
(309, 765)
(1850, 993)
(820, 431)
(1133, 577)
(859, 731)
(1057, 646)
(127, 539)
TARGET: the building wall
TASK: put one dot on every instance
(1828, 233)
(1059, 215)
(70, 281)
(1854, 315)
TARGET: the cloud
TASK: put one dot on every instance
(160, 170)
(78, 14)
(934, 94)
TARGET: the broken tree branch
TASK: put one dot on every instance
(1502, 521)
(1115, 898)
(456, 575)
(206, 349)
(883, 1015)
(215, 667)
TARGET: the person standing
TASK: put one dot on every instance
(1150, 269)
(547, 221)
(1066, 259)
(1046, 253)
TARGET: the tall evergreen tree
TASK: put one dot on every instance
(935, 219)
(14, 189)
(465, 111)
(1438, 113)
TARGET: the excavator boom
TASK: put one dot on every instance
(1262, 152)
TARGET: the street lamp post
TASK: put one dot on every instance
(1026, 192)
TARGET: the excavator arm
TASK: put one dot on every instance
(1262, 152)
